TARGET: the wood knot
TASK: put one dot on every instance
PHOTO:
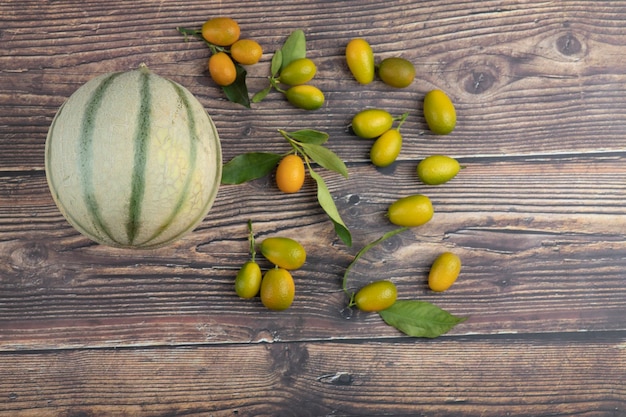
(30, 255)
(354, 199)
(569, 44)
(339, 378)
(393, 244)
(289, 361)
(247, 130)
(481, 74)
(479, 81)
(560, 46)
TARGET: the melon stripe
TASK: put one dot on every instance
(192, 164)
(218, 163)
(85, 152)
(142, 132)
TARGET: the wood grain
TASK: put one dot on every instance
(520, 77)
(519, 376)
(537, 216)
(557, 266)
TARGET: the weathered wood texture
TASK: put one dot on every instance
(524, 377)
(537, 215)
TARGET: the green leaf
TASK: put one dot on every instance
(419, 318)
(325, 158)
(259, 96)
(343, 233)
(277, 62)
(237, 92)
(196, 33)
(293, 48)
(249, 166)
(309, 136)
(326, 202)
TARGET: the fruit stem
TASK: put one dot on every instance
(344, 283)
(275, 83)
(189, 32)
(197, 33)
(251, 240)
(294, 143)
(306, 161)
(401, 119)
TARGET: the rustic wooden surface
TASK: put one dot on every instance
(538, 216)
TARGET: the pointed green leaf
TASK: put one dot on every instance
(259, 96)
(419, 318)
(277, 62)
(326, 202)
(293, 48)
(237, 92)
(343, 233)
(325, 158)
(249, 166)
(310, 136)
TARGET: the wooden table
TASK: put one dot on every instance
(538, 217)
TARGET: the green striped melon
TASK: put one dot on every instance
(133, 160)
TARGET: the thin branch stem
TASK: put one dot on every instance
(360, 253)
(402, 119)
(251, 240)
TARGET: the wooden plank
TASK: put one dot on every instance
(576, 374)
(542, 244)
(526, 79)
(537, 216)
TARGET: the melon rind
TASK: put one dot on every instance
(133, 160)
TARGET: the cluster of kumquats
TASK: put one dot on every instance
(223, 37)
(290, 67)
(290, 72)
(276, 286)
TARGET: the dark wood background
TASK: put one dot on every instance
(538, 216)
